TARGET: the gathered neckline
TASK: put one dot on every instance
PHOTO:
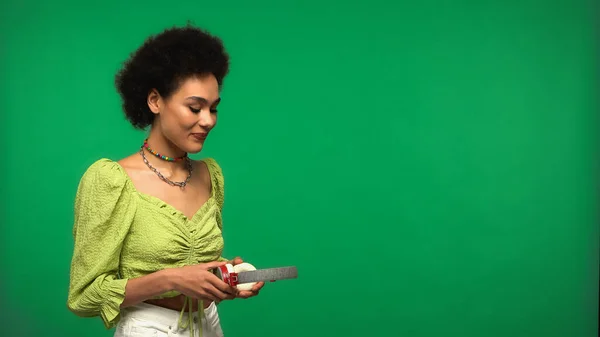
(163, 204)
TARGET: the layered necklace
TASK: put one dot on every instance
(185, 158)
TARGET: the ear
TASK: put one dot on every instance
(154, 101)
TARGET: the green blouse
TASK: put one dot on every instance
(120, 233)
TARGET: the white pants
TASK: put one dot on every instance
(147, 320)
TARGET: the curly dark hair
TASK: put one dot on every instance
(162, 62)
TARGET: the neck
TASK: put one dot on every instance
(159, 144)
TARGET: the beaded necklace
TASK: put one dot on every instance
(158, 155)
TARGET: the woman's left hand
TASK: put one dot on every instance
(247, 293)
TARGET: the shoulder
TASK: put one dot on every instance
(103, 174)
(212, 165)
(214, 169)
(215, 173)
(105, 195)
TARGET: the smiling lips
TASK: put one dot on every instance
(199, 136)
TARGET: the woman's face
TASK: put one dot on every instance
(186, 118)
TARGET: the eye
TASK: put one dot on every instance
(213, 110)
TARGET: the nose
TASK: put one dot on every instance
(206, 119)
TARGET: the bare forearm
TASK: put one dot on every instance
(145, 287)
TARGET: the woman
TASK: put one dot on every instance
(147, 231)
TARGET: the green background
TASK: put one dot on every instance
(429, 166)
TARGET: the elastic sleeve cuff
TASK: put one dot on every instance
(112, 297)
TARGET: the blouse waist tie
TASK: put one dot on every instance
(190, 320)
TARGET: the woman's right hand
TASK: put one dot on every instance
(197, 281)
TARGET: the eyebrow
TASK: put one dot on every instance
(203, 100)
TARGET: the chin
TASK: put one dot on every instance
(195, 148)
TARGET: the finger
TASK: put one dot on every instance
(248, 293)
(245, 294)
(218, 293)
(237, 260)
(258, 286)
(206, 295)
(226, 288)
(221, 286)
(212, 265)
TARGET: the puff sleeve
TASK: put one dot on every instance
(104, 209)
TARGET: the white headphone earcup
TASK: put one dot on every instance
(244, 267)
